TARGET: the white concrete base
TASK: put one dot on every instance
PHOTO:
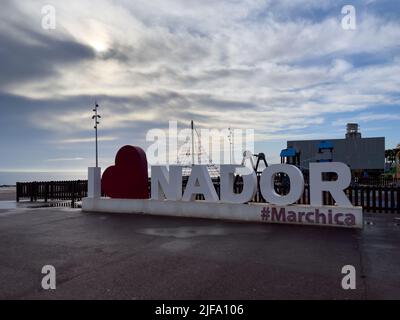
(94, 182)
(257, 212)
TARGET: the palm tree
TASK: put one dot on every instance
(390, 155)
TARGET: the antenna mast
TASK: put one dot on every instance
(186, 155)
(231, 145)
(192, 126)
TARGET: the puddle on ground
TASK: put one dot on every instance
(383, 246)
(8, 205)
(190, 232)
(177, 245)
(184, 232)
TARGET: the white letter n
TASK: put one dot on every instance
(166, 184)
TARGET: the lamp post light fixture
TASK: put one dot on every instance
(94, 173)
(96, 118)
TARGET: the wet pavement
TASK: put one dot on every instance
(8, 204)
(7, 194)
(122, 256)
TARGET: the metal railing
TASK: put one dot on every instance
(371, 197)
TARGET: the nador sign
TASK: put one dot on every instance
(126, 185)
(167, 184)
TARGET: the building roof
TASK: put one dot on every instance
(289, 152)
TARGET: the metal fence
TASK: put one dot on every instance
(372, 198)
(52, 191)
(383, 181)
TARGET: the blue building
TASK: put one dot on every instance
(364, 156)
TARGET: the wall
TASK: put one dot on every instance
(357, 153)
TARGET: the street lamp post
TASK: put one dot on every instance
(96, 118)
(94, 173)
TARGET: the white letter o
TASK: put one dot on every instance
(267, 184)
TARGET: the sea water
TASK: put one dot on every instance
(10, 178)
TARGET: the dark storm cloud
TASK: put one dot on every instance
(41, 56)
(18, 113)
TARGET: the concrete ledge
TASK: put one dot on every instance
(256, 212)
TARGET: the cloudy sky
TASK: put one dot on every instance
(287, 69)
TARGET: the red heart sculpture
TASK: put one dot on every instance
(128, 178)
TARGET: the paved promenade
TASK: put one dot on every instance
(121, 256)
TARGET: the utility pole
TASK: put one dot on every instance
(96, 118)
